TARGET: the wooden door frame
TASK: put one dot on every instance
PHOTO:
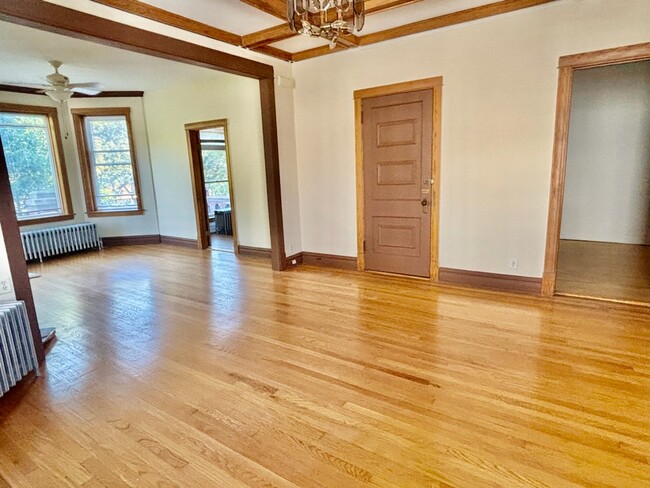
(198, 180)
(435, 85)
(50, 17)
(567, 66)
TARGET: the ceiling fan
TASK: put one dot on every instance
(59, 88)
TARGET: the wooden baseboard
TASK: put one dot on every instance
(296, 257)
(131, 240)
(261, 252)
(493, 281)
(179, 241)
(329, 260)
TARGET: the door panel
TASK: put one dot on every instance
(397, 158)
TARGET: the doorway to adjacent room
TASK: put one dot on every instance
(210, 160)
(598, 240)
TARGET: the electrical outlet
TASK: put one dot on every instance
(294, 261)
(513, 263)
(5, 286)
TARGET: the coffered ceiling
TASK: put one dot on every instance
(261, 25)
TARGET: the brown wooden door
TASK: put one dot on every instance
(397, 157)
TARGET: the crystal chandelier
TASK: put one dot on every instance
(328, 19)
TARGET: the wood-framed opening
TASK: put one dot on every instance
(567, 66)
(192, 132)
(435, 85)
(90, 192)
(50, 17)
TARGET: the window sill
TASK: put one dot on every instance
(115, 213)
(45, 220)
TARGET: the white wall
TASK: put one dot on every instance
(607, 192)
(500, 83)
(284, 100)
(5, 272)
(108, 226)
(230, 97)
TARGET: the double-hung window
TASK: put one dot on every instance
(108, 161)
(32, 146)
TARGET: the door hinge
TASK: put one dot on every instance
(362, 116)
(364, 245)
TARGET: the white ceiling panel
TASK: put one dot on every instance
(422, 10)
(229, 15)
(300, 43)
(25, 53)
(388, 19)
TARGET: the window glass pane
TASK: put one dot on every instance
(107, 138)
(115, 186)
(23, 119)
(214, 165)
(32, 170)
(216, 134)
(217, 196)
(107, 133)
(117, 157)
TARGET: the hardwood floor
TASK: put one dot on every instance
(604, 270)
(221, 242)
(177, 367)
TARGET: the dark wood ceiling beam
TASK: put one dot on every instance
(282, 31)
(150, 12)
(315, 52)
(433, 23)
(277, 8)
(267, 36)
(105, 94)
(375, 6)
(273, 51)
(447, 20)
(80, 25)
(165, 17)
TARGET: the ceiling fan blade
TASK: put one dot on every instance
(86, 88)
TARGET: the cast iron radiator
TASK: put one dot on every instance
(17, 354)
(38, 244)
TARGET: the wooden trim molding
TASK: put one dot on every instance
(492, 281)
(178, 241)
(329, 260)
(395, 88)
(259, 41)
(50, 17)
(105, 94)
(295, 257)
(131, 240)
(568, 64)
(261, 252)
(52, 115)
(46, 220)
(152, 12)
(558, 173)
(435, 85)
(604, 57)
(16, 255)
(454, 18)
(273, 189)
(78, 117)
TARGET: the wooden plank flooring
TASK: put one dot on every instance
(176, 367)
(604, 270)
